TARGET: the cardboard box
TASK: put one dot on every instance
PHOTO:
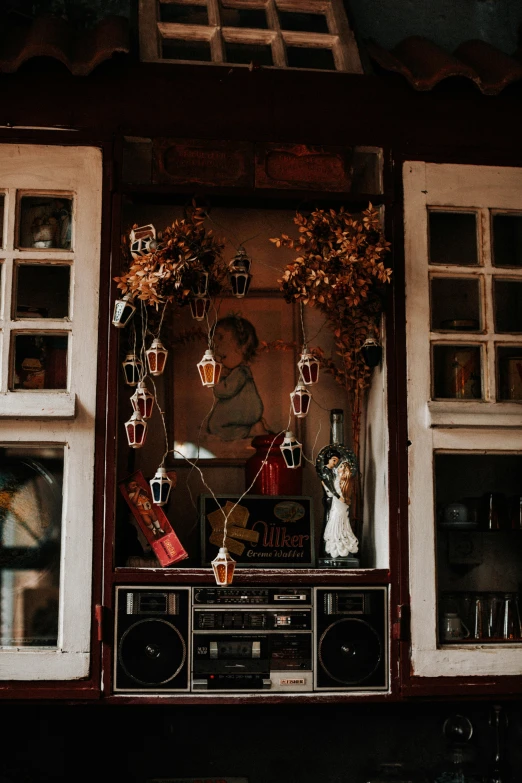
(152, 520)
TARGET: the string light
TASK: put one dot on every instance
(142, 241)
(123, 311)
(371, 350)
(308, 367)
(300, 398)
(160, 486)
(199, 307)
(200, 283)
(291, 450)
(239, 274)
(156, 357)
(136, 429)
(223, 566)
(143, 400)
(132, 369)
(209, 369)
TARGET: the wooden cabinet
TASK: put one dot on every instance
(206, 464)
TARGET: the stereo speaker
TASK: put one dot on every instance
(351, 639)
(152, 639)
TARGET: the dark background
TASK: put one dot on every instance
(331, 743)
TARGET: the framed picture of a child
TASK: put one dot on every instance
(254, 338)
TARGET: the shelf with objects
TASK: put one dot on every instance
(464, 341)
(248, 336)
(231, 387)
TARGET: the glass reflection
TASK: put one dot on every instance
(45, 222)
(30, 534)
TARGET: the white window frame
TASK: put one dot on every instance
(466, 425)
(58, 418)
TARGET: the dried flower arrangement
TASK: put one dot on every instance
(176, 267)
(340, 270)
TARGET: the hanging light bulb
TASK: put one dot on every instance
(156, 357)
(143, 400)
(223, 567)
(132, 369)
(291, 450)
(123, 311)
(160, 487)
(300, 398)
(142, 241)
(136, 429)
(199, 306)
(371, 350)
(209, 369)
(239, 274)
(308, 367)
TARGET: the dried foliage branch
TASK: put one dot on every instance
(167, 274)
(340, 269)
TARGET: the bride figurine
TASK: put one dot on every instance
(337, 476)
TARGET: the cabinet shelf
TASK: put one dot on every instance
(312, 576)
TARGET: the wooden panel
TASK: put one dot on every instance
(203, 162)
(303, 167)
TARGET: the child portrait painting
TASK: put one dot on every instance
(252, 396)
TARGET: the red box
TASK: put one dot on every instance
(152, 520)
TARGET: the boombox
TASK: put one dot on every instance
(251, 639)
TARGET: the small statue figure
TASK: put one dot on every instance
(336, 466)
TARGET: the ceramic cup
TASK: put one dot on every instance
(453, 627)
(456, 514)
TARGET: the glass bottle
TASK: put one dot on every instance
(337, 469)
(266, 472)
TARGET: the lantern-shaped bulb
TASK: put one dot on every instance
(199, 306)
(136, 429)
(123, 311)
(371, 350)
(142, 241)
(156, 357)
(143, 400)
(291, 450)
(239, 274)
(132, 369)
(308, 367)
(223, 567)
(300, 398)
(160, 487)
(200, 284)
(209, 369)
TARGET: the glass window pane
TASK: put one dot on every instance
(310, 57)
(507, 240)
(2, 203)
(173, 49)
(42, 291)
(253, 18)
(30, 541)
(455, 304)
(45, 222)
(456, 372)
(40, 361)
(507, 298)
(248, 53)
(509, 381)
(302, 22)
(183, 14)
(479, 559)
(453, 238)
